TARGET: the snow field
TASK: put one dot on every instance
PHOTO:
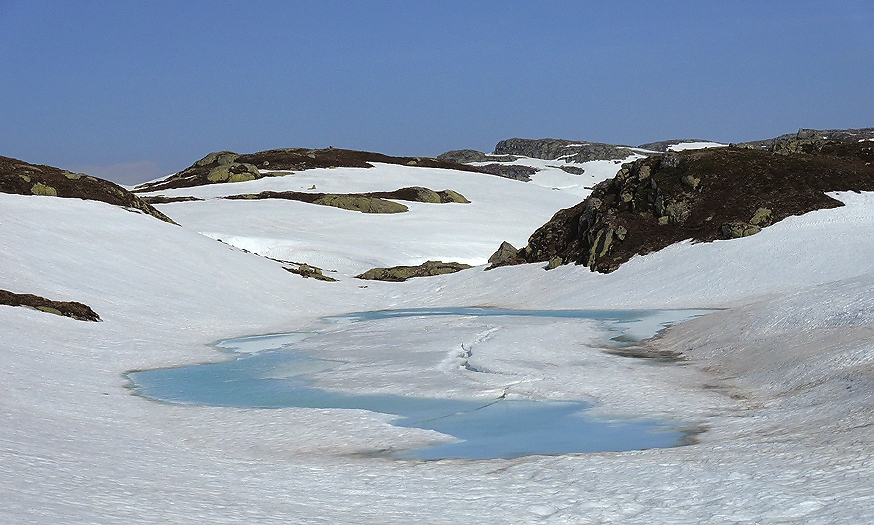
(787, 441)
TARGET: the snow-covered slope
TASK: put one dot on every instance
(77, 447)
(351, 242)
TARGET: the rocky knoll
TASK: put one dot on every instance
(227, 166)
(72, 309)
(23, 178)
(466, 156)
(663, 145)
(374, 202)
(567, 150)
(402, 273)
(697, 194)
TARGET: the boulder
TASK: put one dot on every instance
(402, 273)
(504, 254)
(362, 204)
(737, 229)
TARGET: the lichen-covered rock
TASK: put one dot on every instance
(554, 263)
(220, 157)
(41, 189)
(736, 230)
(362, 204)
(21, 178)
(402, 273)
(761, 218)
(504, 254)
(306, 271)
(452, 196)
(650, 204)
(233, 172)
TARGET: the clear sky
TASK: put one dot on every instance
(132, 90)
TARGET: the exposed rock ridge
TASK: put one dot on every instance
(466, 156)
(402, 273)
(227, 166)
(702, 195)
(71, 309)
(22, 178)
(567, 150)
(373, 202)
(663, 145)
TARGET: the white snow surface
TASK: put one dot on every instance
(780, 382)
(696, 145)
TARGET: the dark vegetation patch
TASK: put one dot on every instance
(162, 199)
(227, 166)
(22, 178)
(373, 202)
(510, 171)
(701, 195)
(72, 309)
(402, 273)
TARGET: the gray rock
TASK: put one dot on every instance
(569, 151)
(505, 253)
(736, 230)
(762, 218)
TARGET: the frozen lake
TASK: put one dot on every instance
(269, 372)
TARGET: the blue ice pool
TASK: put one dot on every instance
(274, 375)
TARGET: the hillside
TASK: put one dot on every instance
(22, 178)
(227, 166)
(701, 195)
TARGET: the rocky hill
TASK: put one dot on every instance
(547, 149)
(698, 194)
(227, 166)
(23, 178)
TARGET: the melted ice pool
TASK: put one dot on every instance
(269, 373)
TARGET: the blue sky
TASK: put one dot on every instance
(135, 90)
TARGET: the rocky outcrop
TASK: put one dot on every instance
(71, 309)
(227, 166)
(162, 199)
(466, 156)
(801, 141)
(703, 195)
(510, 171)
(402, 273)
(373, 202)
(306, 271)
(23, 178)
(505, 253)
(569, 151)
(420, 194)
(360, 203)
(663, 145)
